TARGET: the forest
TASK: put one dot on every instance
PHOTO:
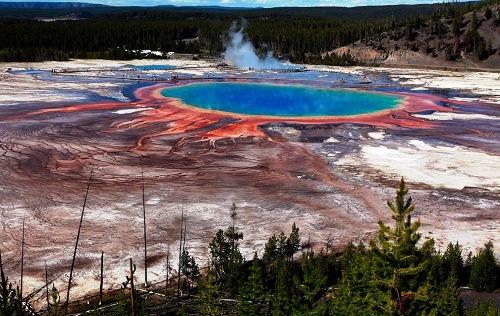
(396, 273)
(297, 34)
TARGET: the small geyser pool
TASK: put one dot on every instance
(280, 100)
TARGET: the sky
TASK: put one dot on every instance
(242, 3)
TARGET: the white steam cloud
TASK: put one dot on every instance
(240, 52)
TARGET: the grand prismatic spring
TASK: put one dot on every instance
(281, 100)
(322, 148)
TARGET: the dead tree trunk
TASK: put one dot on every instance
(183, 251)
(132, 288)
(185, 233)
(180, 257)
(145, 238)
(167, 278)
(47, 287)
(102, 278)
(76, 243)
(22, 264)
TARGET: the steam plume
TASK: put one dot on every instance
(240, 52)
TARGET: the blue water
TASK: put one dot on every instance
(154, 67)
(280, 100)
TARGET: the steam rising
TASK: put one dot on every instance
(240, 52)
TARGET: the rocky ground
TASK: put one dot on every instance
(331, 178)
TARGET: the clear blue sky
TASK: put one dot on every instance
(243, 3)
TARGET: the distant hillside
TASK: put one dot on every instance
(300, 35)
(471, 39)
(48, 5)
(55, 9)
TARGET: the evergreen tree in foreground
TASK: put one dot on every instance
(253, 300)
(395, 275)
(282, 298)
(226, 258)
(357, 293)
(399, 263)
(448, 302)
(314, 280)
(10, 300)
(189, 268)
(277, 249)
(209, 296)
(292, 244)
(484, 270)
(452, 263)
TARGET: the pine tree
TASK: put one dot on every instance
(189, 269)
(279, 248)
(235, 258)
(271, 255)
(282, 301)
(312, 285)
(357, 292)
(292, 242)
(253, 295)
(10, 299)
(220, 250)
(226, 258)
(484, 270)
(209, 296)
(347, 256)
(467, 268)
(452, 262)
(400, 263)
(448, 302)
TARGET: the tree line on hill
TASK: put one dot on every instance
(291, 33)
(456, 35)
(396, 273)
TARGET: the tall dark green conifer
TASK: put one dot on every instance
(282, 300)
(390, 278)
(189, 269)
(448, 302)
(453, 263)
(209, 295)
(400, 263)
(226, 258)
(484, 270)
(357, 293)
(313, 282)
(253, 300)
(281, 248)
(292, 242)
(10, 299)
